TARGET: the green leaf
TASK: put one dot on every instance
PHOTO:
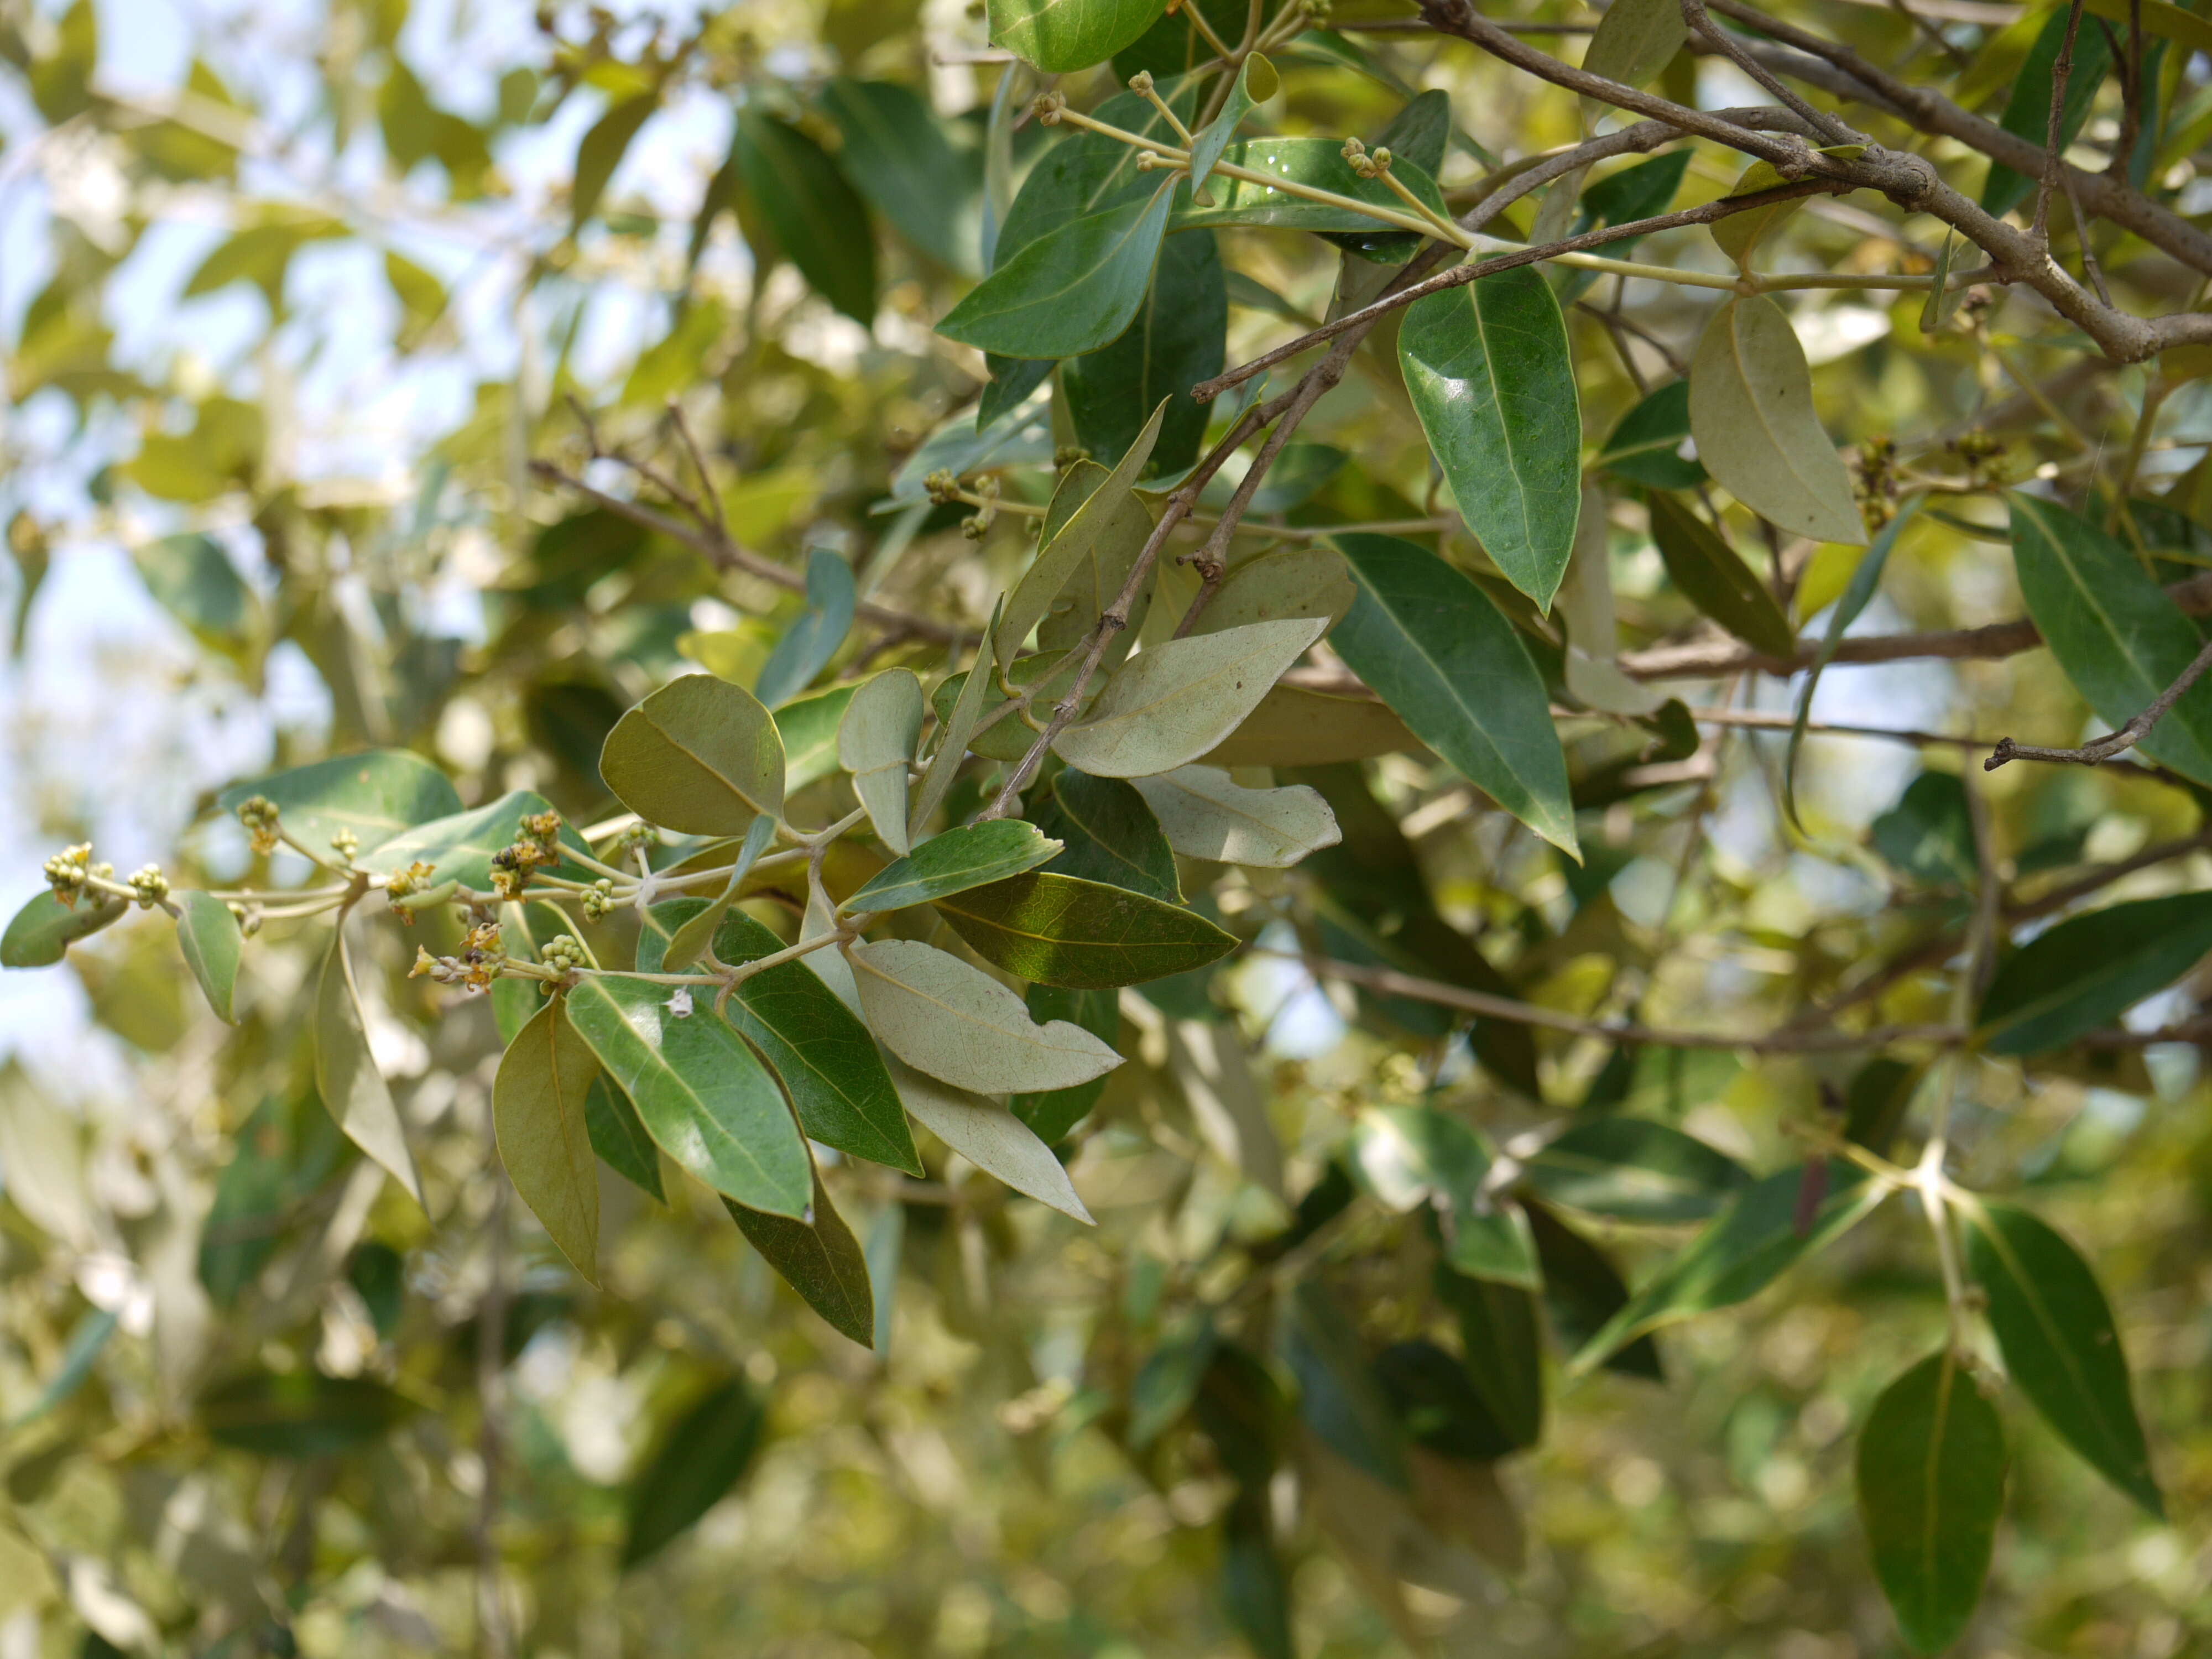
(1057, 36)
(1439, 652)
(820, 1259)
(1928, 836)
(955, 731)
(1866, 577)
(1635, 193)
(807, 727)
(814, 1042)
(1019, 437)
(1088, 173)
(876, 741)
(197, 584)
(1103, 571)
(1634, 39)
(1072, 290)
(353, 1090)
(1738, 234)
(1074, 542)
(818, 223)
(700, 756)
(538, 1118)
(1319, 164)
(1487, 367)
(1751, 412)
(1413, 1156)
(1502, 1349)
(1293, 726)
(690, 940)
(1046, 676)
(619, 1137)
(1645, 447)
(2118, 637)
(1206, 814)
(991, 1137)
(208, 935)
(1166, 1385)
(1256, 82)
(966, 857)
(1337, 1397)
(43, 929)
(2088, 970)
(1582, 1290)
(898, 157)
(1169, 704)
(300, 1414)
(2027, 108)
(1706, 571)
(1931, 1478)
(961, 1026)
(1633, 1169)
(374, 795)
(699, 1090)
(2055, 1331)
(808, 644)
(1052, 1112)
(1083, 935)
(1745, 1248)
(600, 152)
(1178, 337)
(1296, 581)
(1107, 834)
(462, 847)
(704, 1455)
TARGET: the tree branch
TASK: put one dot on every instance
(2062, 71)
(2089, 754)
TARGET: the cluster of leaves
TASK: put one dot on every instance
(909, 840)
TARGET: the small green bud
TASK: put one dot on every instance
(148, 886)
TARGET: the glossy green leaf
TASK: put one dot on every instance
(1645, 447)
(462, 847)
(2119, 638)
(1706, 571)
(1751, 412)
(969, 856)
(897, 156)
(1206, 814)
(961, 1026)
(2027, 108)
(537, 1117)
(1439, 652)
(2088, 970)
(1743, 1250)
(1087, 172)
(808, 644)
(1931, 1480)
(699, 1090)
(619, 1137)
(690, 939)
(1178, 337)
(813, 1042)
(1169, 704)
(2060, 1346)
(1488, 369)
(373, 795)
(1256, 82)
(705, 1454)
(208, 935)
(807, 727)
(346, 1077)
(1072, 290)
(300, 1414)
(1634, 1169)
(700, 756)
(41, 932)
(197, 585)
(1107, 833)
(600, 152)
(1052, 1112)
(820, 1259)
(820, 224)
(991, 1137)
(1074, 542)
(1057, 36)
(1083, 935)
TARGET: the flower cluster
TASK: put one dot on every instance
(258, 814)
(597, 899)
(148, 886)
(536, 842)
(476, 967)
(67, 872)
(564, 953)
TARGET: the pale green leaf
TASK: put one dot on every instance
(700, 756)
(1168, 705)
(1207, 814)
(989, 1137)
(969, 856)
(353, 1090)
(953, 734)
(1751, 412)
(876, 741)
(961, 1026)
(1296, 581)
(537, 1117)
(208, 935)
(41, 932)
(373, 795)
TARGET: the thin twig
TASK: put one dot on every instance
(2131, 98)
(1702, 25)
(707, 490)
(2089, 754)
